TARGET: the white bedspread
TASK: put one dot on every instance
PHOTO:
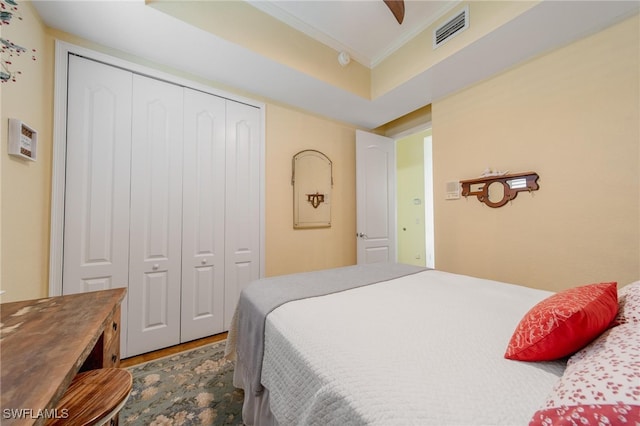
(425, 349)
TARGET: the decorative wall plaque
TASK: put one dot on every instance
(312, 180)
(496, 191)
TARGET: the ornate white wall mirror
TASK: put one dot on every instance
(312, 180)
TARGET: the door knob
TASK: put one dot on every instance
(155, 266)
(204, 261)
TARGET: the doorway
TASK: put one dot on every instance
(414, 202)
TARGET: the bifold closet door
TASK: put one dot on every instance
(155, 241)
(203, 229)
(96, 223)
(242, 225)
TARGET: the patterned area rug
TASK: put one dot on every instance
(190, 388)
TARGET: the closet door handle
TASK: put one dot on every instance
(155, 266)
(203, 261)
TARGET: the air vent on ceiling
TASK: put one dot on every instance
(453, 26)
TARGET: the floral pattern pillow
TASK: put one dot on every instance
(629, 304)
(601, 384)
(586, 415)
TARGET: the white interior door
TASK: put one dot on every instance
(156, 215)
(203, 216)
(375, 198)
(242, 237)
(96, 220)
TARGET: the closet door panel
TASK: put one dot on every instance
(242, 202)
(156, 216)
(96, 229)
(203, 216)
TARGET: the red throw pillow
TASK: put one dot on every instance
(564, 323)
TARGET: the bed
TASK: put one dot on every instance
(396, 344)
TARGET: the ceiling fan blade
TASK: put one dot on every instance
(397, 8)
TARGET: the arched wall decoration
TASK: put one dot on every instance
(312, 181)
(509, 184)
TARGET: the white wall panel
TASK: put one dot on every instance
(156, 215)
(96, 221)
(242, 240)
(204, 216)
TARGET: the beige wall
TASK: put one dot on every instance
(25, 186)
(572, 116)
(420, 118)
(26, 208)
(295, 250)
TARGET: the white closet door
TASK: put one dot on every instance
(242, 242)
(96, 228)
(156, 210)
(203, 216)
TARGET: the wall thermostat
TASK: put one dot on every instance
(23, 140)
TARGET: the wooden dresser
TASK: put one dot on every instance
(44, 343)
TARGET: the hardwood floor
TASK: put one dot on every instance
(150, 356)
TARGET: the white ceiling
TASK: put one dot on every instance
(348, 25)
(132, 27)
